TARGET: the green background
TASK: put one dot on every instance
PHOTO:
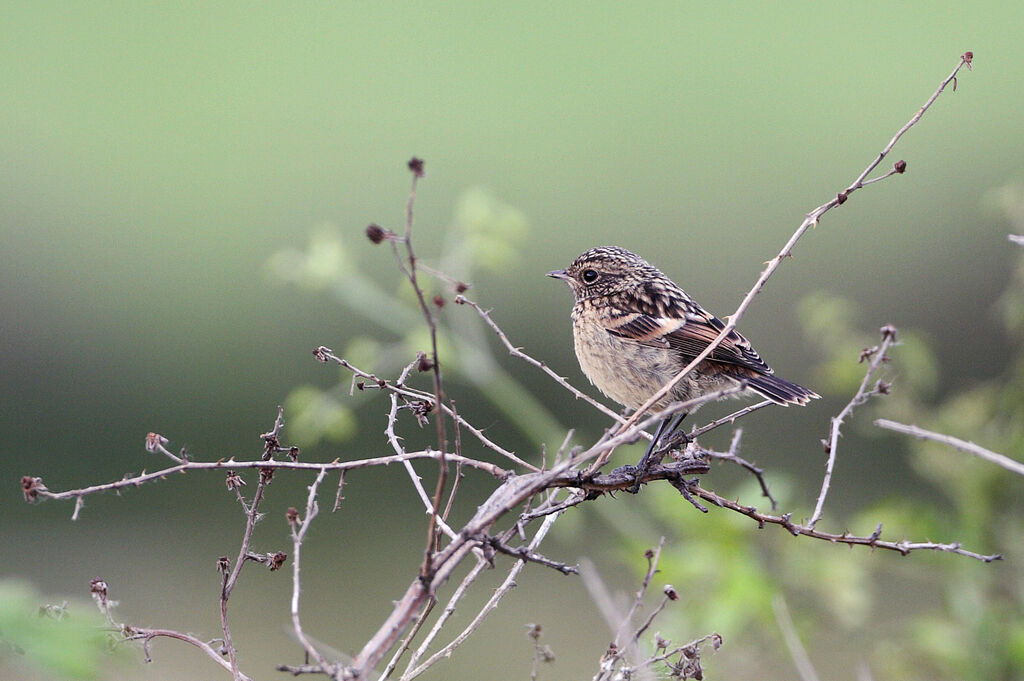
(155, 158)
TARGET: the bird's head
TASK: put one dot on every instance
(607, 271)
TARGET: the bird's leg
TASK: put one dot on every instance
(666, 431)
(673, 437)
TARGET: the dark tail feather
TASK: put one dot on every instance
(780, 391)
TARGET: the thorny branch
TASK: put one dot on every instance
(525, 492)
(873, 540)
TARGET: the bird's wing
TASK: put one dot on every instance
(688, 335)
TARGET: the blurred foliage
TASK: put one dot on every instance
(485, 235)
(969, 619)
(60, 642)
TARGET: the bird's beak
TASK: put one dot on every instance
(559, 274)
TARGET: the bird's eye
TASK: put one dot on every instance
(589, 276)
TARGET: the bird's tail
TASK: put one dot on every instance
(779, 390)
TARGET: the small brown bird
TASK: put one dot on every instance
(635, 329)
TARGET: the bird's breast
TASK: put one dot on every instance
(624, 370)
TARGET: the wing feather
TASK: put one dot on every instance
(688, 335)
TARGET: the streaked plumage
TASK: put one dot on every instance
(634, 329)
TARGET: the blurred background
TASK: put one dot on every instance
(185, 189)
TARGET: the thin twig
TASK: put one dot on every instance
(252, 515)
(877, 358)
(99, 590)
(796, 648)
(652, 555)
(393, 439)
(518, 352)
(523, 553)
(731, 418)
(146, 635)
(34, 488)
(325, 354)
(299, 529)
(735, 458)
(449, 610)
(416, 167)
(963, 445)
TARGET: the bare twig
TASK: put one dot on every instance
(252, 515)
(33, 487)
(416, 167)
(325, 354)
(731, 418)
(523, 553)
(652, 556)
(688, 664)
(299, 529)
(796, 648)
(732, 456)
(877, 358)
(963, 445)
(518, 352)
(394, 440)
(449, 610)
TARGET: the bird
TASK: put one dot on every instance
(634, 329)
